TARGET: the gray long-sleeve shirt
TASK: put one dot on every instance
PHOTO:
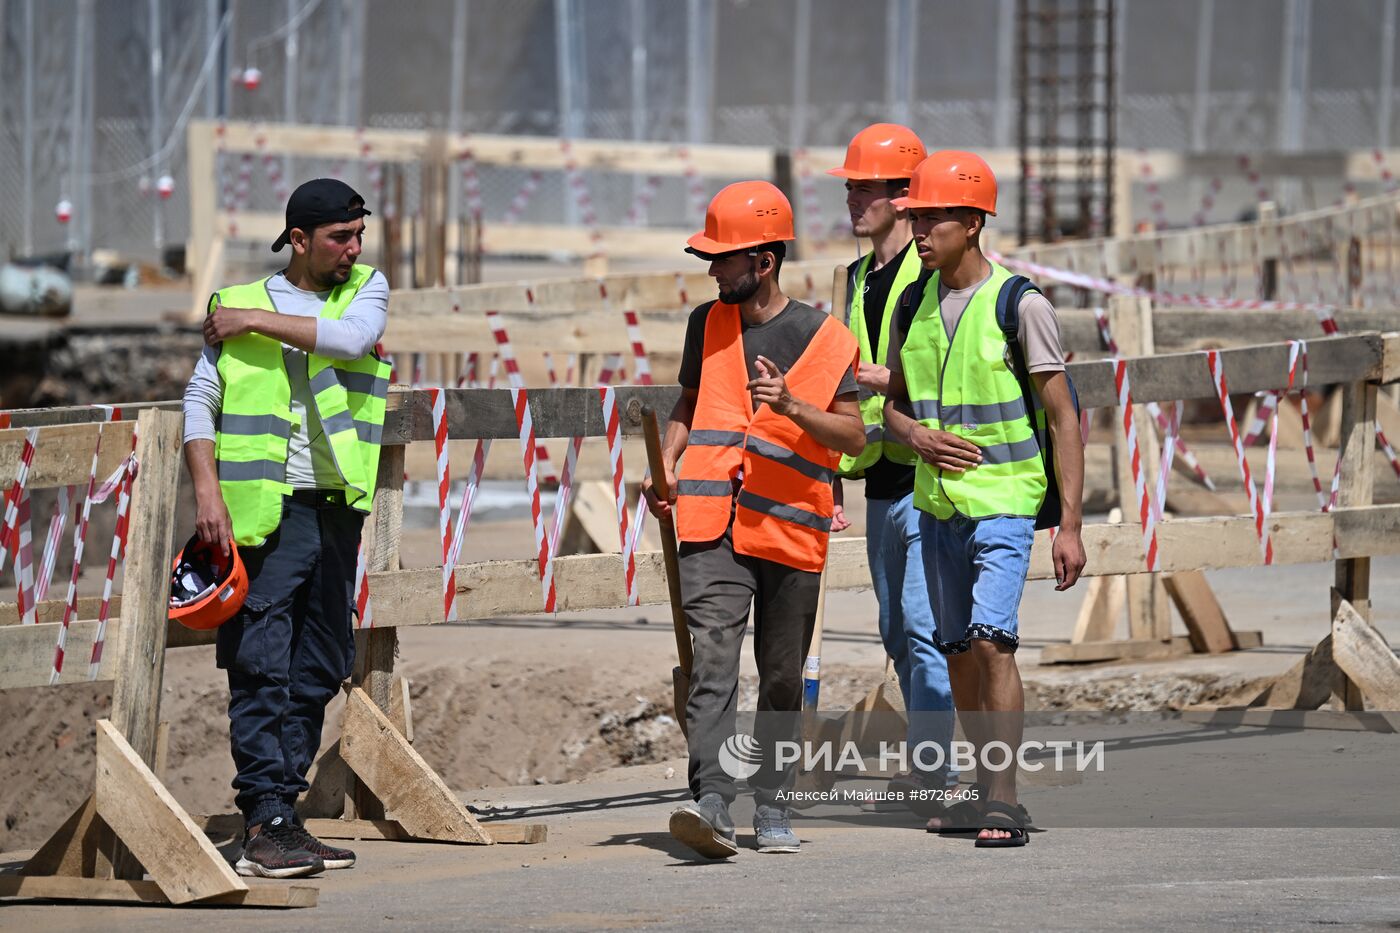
(309, 462)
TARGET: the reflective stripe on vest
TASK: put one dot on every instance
(872, 405)
(963, 384)
(255, 421)
(783, 508)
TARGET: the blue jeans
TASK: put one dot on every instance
(287, 651)
(976, 573)
(895, 554)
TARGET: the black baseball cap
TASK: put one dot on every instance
(320, 201)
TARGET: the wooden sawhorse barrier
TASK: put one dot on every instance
(131, 826)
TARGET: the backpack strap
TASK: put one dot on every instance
(910, 299)
(1009, 320)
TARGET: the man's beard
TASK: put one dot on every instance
(746, 289)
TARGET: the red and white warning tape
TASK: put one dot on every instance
(79, 537)
(608, 397)
(1324, 313)
(694, 185)
(9, 531)
(24, 563)
(117, 553)
(639, 353)
(1146, 515)
(57, 523)
(516, 209)
(525, 423)
(364, 609)
(517, 381)
(1153, 409)
(444, 482)
(811, 200)
(637, 213)
(1217, 375)
(579, 187)
(471, 185)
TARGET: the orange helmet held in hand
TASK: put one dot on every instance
(950, 178)
(207, 587)
(743, 215)
(881, 151)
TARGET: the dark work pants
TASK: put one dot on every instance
(288, 650)
(717, 589)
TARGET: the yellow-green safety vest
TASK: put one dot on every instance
(255, 420)
(872, 406)
(963, 384)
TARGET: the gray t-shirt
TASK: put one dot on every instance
(309, 463)
(783, 339)
(1038, 329)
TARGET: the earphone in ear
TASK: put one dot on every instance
(764, 264)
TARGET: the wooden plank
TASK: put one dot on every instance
(1148, 613)
(51, 610)
(63, 453)
(1308, 684)
(1206, 625)
(82, 414)
(154, 826)
(1363, 655)
(330, 781)
(27, 653)
(1104, 602)
(1131, 649)
(594, 581)
(1358, 442)
(399, 777)
(644, 292)
(393, 831)
(79, 847)
(136, 691)
(146, 583)
(1337, 719)
(375, 648)
(401, 708)
(1171, 376)
(148, 892)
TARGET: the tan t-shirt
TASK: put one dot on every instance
(1038, 329)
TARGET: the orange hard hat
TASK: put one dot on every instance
(881, 151)
(743, 215)
(207, 587)
(950, 178)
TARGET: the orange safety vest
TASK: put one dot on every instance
(783, 509)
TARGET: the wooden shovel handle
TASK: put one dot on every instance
(669, 554)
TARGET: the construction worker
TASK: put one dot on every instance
(879, 162)
(768, 404)
(283, 418)
(975, 404)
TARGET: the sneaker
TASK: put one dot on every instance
(705, 826)
(331, 856)
(773, 827)
(276, 851)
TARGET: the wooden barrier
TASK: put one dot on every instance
(595, 581)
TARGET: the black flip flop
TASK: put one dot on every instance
(1006, 818)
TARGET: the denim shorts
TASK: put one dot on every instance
(976, 572)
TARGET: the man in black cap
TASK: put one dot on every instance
(283, 418)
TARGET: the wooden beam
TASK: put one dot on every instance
(400, 778)
(156, 829)
(63, 453)
(1206, 625)
(1363, 655)
(27, 653)
(392, 830)
(79, 848)
(148, 892)
(1132, 649)
(146, 583)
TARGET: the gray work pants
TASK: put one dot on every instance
(717, 589)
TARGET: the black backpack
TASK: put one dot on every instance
(1009, 319)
